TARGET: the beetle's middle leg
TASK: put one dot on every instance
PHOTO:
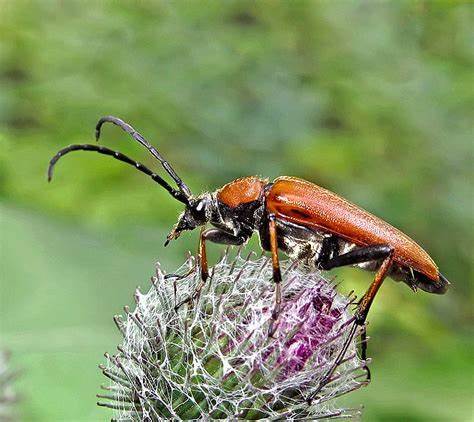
(215, 236)
(276, 272)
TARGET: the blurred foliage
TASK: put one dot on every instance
(373, 100)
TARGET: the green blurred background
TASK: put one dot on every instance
(373, 100)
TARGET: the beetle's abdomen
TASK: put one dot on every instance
(305, 203)
(241, 191)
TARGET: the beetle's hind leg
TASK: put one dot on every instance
(358, 256)
(363, 350)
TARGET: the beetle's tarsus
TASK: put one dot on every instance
(272, 328)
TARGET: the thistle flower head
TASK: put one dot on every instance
(214, 359)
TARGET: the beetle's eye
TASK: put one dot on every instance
(200, 205)
(199, 211)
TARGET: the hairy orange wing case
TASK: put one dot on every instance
(307, 204)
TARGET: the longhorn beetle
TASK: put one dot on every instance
(307, 222)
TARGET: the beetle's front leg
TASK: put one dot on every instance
(215, 236)
(276, 273)
(202, 256)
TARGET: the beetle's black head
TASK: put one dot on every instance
(196, 213)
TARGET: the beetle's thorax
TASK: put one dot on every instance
(238, 206)
(244, 218)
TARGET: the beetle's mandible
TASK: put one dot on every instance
(303, 220)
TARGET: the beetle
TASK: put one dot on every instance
(305, 221)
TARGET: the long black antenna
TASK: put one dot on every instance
(139, 138)
(118, 156)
